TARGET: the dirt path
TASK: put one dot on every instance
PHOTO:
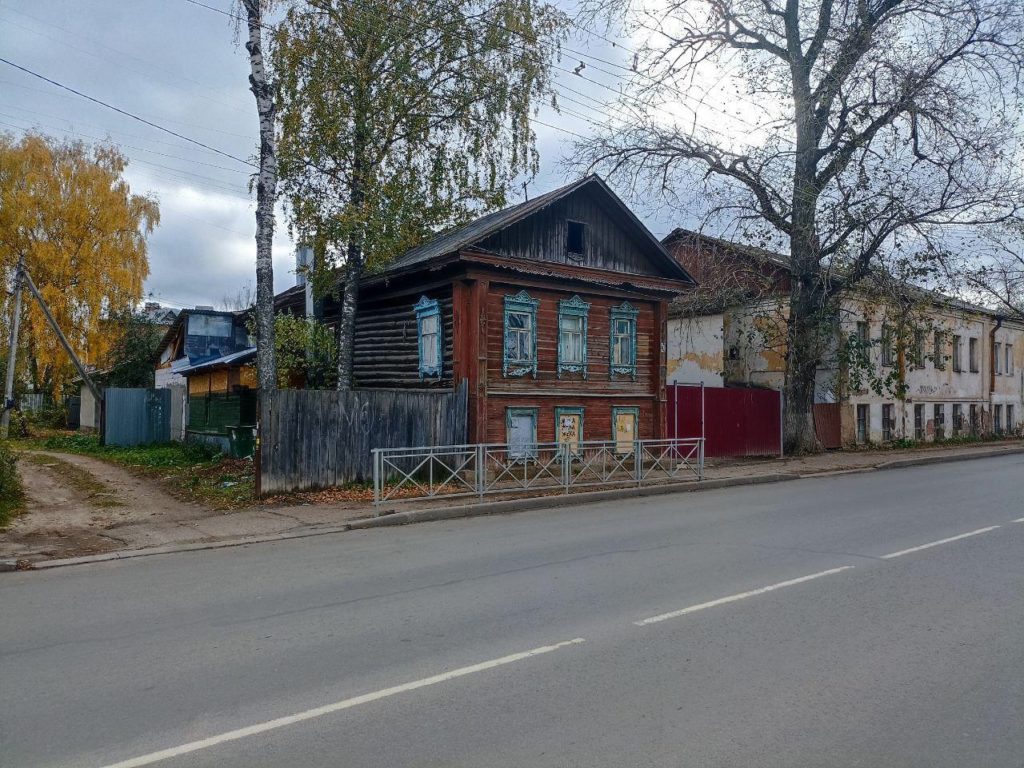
(80, 505)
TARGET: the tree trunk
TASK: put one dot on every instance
(803, 331)
(804, 336)
(266, 194)
(355, 257)
(347, 325)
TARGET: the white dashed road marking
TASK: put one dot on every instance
(337, 706)
(940, 541)
(740, 596)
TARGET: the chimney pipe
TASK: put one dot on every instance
(303, 266)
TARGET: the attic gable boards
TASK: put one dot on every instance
(610, 238)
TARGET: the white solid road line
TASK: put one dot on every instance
(327, 709)
(740, 596)
(937, 543)
(1018, 520)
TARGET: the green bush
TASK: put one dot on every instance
(153, 455)
(50, 416)
(78, 443)
(10, 484)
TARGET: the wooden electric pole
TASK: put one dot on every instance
(12, 354)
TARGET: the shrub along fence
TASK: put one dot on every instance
(319, 438)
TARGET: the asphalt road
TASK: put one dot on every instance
(782, 625)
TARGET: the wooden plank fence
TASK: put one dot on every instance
(319, 439)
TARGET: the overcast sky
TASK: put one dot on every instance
(177, 64)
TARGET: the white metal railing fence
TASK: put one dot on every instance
(493, 468)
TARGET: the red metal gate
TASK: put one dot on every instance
(733, 421)
(828, 424)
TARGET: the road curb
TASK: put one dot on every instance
(563, 500)
(170, 549)
(515, 505)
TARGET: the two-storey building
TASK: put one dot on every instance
(918, 365)
(552, 311)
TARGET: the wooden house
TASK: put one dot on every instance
(553, 311)
(207, 355)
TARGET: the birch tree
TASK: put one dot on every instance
(68, 214)
(867, 124)
(399, 117)
(266, 194)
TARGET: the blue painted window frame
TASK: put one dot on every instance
(574, 307)
(624, 312)
(510, 413)
(521, 303)
(426, 308)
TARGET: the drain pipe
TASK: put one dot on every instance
(992, 362)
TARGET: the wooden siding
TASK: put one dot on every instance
(386, 352)
(597, 416)
(212, 414)
(598, 329)
(608, 245)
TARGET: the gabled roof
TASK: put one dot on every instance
(469, 234)
(679, 234)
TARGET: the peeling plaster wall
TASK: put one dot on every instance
(754, 355)
(930, 385)
(695, 350)
(754, 344)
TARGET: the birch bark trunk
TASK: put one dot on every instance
(266, 194)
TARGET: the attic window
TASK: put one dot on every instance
(574, 237)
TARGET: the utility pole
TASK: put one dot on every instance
(63, 339)
(12, 354)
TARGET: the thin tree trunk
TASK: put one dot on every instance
(355, 256)
(266, 194)
(346, 328)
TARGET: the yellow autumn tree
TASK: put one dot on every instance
(66, 209)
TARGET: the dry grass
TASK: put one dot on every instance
(95, 492)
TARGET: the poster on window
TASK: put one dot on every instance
(569, 432)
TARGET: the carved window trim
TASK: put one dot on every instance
(624, 312)
(521, 303)
(574, 307)
(427, 308)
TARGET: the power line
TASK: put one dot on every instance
(166, 76)
(119, 144)
(211, 184)
(127, 114)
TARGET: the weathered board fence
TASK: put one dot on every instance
(320, 439)
(137, 416)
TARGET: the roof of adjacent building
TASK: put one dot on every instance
(775, 259)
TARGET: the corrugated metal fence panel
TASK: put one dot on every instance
(321, 439)
(828, 424)
(736, 421)
(137, 416)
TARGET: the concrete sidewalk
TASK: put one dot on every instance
(269, 523)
